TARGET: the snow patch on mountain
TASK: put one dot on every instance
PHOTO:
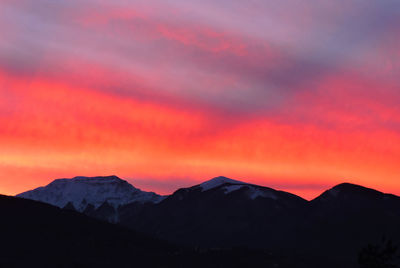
(82, 191)
(218, 181)
(231, 188)
(252, 191)
(255, 192)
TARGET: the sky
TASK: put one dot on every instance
(291, 94)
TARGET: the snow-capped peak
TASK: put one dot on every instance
(251, 190)
(218, 181)
(84, 191)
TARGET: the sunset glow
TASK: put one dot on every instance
(166, 95)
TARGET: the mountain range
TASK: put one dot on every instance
(328, 231)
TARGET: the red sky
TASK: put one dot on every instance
(291, 95)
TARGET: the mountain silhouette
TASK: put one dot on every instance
(328, 231)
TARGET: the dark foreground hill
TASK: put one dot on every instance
(35, 234)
